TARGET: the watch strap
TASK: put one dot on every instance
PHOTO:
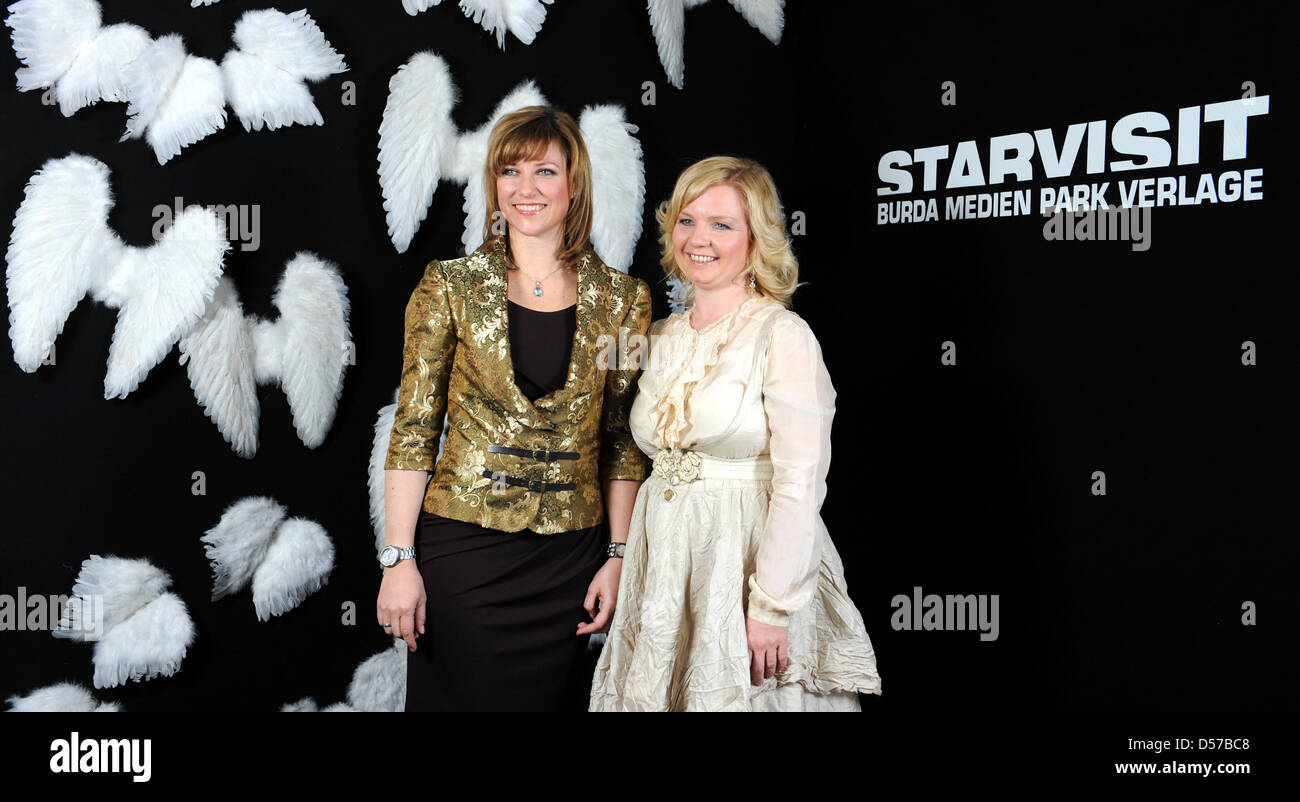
(403, 553)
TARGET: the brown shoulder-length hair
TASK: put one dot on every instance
(524, 135)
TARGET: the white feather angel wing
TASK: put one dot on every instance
(416, 132)
(313, 337)
(668, 24)
(342, 707)
(148, 79)
(175, 99)
(285, 560)
(64, 697)
(375, 473)
(217, 354)
(140, 630)
(150, 643)
(414, 7)
(195, 108)
(291, 42)
(48, 35)
(238, 544)
(266, 96)
(61, 44)
(378, 686)
(768, 16)
(108, 591)
(618, 184)
(59, 247)
(97, 72)
(264, 76)
(523, 18)
(165, 289)
(305, 351)
(296, 565)
(379, 683)
(304, 705)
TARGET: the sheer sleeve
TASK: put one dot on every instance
(427, 356)
(799, 402)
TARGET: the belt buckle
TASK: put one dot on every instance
(676, 466)
(542, 455)
(536, 486)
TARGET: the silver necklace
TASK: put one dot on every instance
(537, 283)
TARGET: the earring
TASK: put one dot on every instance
(752, 282)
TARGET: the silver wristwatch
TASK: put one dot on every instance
(389, 556)
(615, 549)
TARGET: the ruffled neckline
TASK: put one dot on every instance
(685, 315)
(706, 348)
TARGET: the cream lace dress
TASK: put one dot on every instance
(737, 418)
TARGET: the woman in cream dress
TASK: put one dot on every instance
(732, 596)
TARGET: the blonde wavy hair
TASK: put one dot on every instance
(771, 258)
(524, 135)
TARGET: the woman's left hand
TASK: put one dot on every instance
(768, 651)
(603, 589)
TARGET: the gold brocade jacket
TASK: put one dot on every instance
(456, 359)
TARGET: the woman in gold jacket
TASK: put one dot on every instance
(524, 345)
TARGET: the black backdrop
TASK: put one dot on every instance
(969, 479)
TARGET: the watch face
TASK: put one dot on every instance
(388, 556)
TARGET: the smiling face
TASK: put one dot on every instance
(711, 239)
(534, 194)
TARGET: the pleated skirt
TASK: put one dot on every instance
(501, 616)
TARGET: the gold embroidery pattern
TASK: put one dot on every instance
(457, 346)
(430, 345)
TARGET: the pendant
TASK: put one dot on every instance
(537, 288)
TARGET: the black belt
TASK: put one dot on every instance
(541, 455)
(531, 484)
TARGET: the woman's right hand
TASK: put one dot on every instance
(401, 601)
